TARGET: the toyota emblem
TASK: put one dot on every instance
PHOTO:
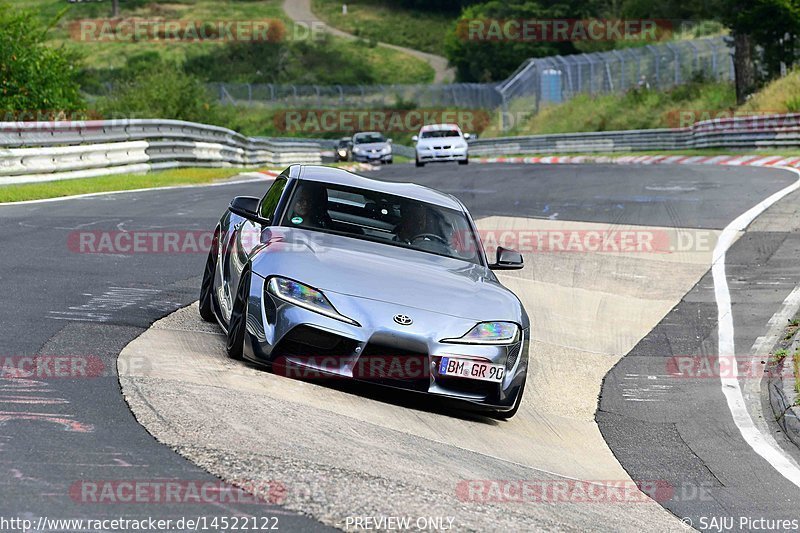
(403, 320)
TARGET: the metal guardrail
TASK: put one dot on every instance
(48, 151)
(757, 132)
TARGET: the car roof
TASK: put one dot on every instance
(438, 127)
(338, 176)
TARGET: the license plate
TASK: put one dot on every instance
(467, 368)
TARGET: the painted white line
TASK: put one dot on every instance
(725, 341)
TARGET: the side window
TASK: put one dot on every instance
(270, 201)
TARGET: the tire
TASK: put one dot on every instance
(510, 414)
(419, 163)
(237, 325)
(464, 162)
(390, 161)
(207, 286)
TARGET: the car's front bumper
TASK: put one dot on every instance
(303, 344)
(432, 155)
(372, 158)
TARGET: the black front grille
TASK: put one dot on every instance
(397, 367)
(307, 341)
(513, 353)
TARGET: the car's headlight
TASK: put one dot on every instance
(342, 153)
(356, 150)
(305, 297)
(489, 333)
(386, 150)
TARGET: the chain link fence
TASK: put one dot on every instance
(537, 82)
(559, 78)
(471, 95)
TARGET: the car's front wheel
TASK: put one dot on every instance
(419, 163)
(237, 325)
(207, 286)
(463, 161)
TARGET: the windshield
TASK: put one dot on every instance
(440, 133)
(364, 138)
(384, 218)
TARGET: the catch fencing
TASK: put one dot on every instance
(537, 82)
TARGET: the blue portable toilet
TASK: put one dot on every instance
(551, 86)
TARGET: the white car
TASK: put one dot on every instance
(441, 142)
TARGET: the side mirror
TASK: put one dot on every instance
(467, 136)
(389, 141)
(414, 138)
(245, 206)
(507, 260)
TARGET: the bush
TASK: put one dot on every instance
(324, 62)
(160, 89)
(34, 77)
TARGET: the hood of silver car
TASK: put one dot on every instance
(371, 146)
(365, 269)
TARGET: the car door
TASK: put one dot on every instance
(244, 237)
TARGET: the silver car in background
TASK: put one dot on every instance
(336, 276)
(372, 147)
(441, 143)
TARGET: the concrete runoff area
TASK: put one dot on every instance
(97, 303)
(343, 454)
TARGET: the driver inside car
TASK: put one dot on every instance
(310, 207)
(418, 223)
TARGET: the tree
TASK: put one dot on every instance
(772, 25)
(34, 77)
(479, 55)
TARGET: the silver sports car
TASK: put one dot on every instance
(333, 275)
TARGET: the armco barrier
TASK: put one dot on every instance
(48, 151)
(741, 133)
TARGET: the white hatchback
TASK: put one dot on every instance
(441, 142)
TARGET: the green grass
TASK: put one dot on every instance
(389, 66)
(122, 182)
(637, 109)
(379, 20)
(796, 368)
(645, 109)
(779, 355)
(780, 96)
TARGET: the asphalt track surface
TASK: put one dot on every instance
(58, 302)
